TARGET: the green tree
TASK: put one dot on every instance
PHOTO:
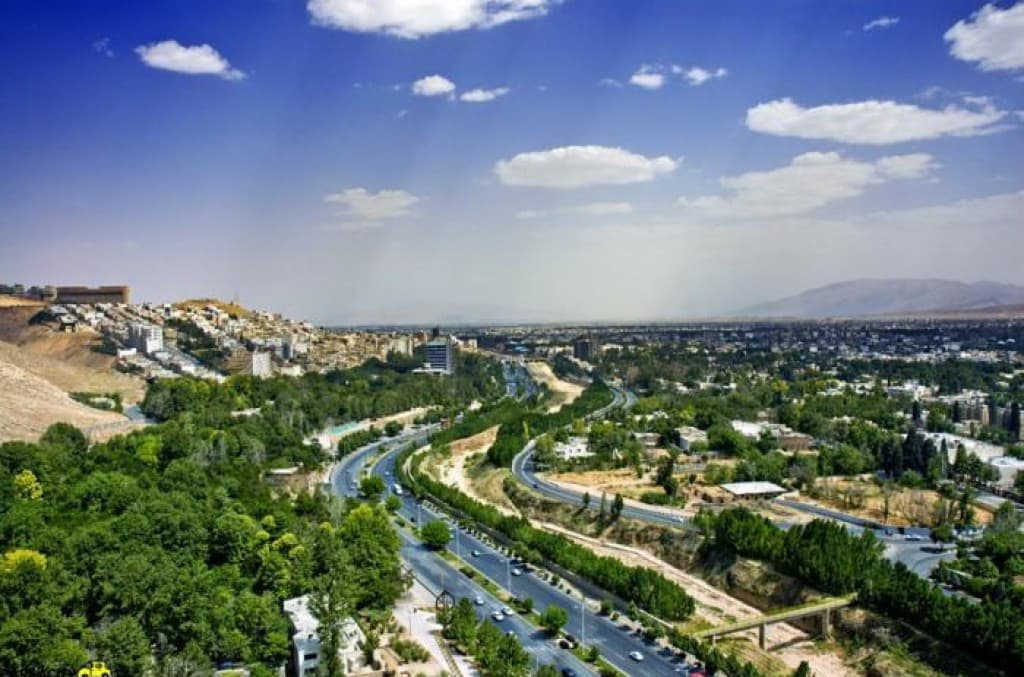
(393, 504)
(124, 646)
(435, 534)
(553, 619)
(372, 487)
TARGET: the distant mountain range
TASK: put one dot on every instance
(859, 298)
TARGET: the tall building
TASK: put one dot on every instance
(146, 338)
(439, 356)
(585, 349)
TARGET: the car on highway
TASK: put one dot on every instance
(479, 601)
(517, 572)
(914, 537)
(636, 655)
(568, 672)
(498, 616)
(476, 553)
(507, 611)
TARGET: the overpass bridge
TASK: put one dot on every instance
(822, 608)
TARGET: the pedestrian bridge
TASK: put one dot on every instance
(822, 608)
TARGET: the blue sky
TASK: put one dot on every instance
(582, 159)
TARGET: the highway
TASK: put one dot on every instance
(584, 623)
(437, 574)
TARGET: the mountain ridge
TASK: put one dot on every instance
(890, 296)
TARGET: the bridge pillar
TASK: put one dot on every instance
(762, 630)
(826, 624)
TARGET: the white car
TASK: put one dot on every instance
(479, 601)
(498, 616)
(507, 611)
(636, 655)
(517, 572)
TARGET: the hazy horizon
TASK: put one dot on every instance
(559, 161)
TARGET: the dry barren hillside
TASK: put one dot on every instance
(29, 404)
(67, 361)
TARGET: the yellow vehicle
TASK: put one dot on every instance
(95, 669)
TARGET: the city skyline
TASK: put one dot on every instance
(530, 159)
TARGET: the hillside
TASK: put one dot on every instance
(68, 361)
(857, 298)
(29, 404)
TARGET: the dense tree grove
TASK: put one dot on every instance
(828, 557)
(149, 558)
(165, 550)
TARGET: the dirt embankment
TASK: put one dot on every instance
(462, 470)
(30, 404)
(71, 362)
(562, 392)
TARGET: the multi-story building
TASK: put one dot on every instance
(262, 367)
(146, 338)
(439, 356)
(585, 349)
(306, 646)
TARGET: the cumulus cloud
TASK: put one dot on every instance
(993, 38)
(170, 55)
(882, 22)
(809, 182)
(589, 209)
(483, 95)
(365, 206)
(579, 166)
(871, 122)
(697, 76)
(413, 19)
(648, 77)
(433, 85)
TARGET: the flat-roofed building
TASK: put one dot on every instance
(754, 489)
(439, 356)
(110, 294)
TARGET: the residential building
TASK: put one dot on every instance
(574, 448)
(262, 367)
(146, 338)
(306, 649)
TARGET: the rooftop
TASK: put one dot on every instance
(752, 488)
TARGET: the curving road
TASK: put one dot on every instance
(614, 642)
(920, 556)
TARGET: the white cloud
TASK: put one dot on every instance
(170, 55)
(589, 209)
(882, 22)
(810, 181)
(433, 85)
(579, 166)
(871, 122)
(483, 95)
(697, 76)
(366, 206)
(609, 82)
(648, 77)
(412, 19)
(992, 37)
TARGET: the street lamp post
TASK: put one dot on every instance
(583, 621)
